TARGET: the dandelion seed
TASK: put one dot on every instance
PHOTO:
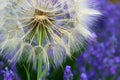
(62, 22)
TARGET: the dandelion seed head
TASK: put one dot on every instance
(64, 24)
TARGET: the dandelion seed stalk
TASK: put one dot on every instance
(43, 32)
(40, 41)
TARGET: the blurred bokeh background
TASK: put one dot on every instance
(99, 59)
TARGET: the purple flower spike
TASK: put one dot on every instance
(8, 74)
(68, 73)
(83, 76)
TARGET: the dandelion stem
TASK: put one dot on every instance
(40, 36)
(39, 67)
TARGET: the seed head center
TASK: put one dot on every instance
(40, 17)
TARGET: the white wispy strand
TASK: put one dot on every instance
(63, 22)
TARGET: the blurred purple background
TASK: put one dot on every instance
(101, 58)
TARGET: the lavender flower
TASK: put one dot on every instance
(68, 73)
(8, 74)
(83, 76)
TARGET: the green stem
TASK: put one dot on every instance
(27, 72)
(39, 67)
(40, 36)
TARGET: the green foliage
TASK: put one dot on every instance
(22, 71)
(58, 73)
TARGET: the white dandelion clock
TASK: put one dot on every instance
(3, 4)
(48, 29)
